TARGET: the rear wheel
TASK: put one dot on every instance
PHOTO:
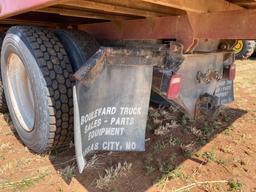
(244, 49)
(79, 45)
(36, 76)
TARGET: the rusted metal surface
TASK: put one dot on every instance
(194, 86)
(206, 107)
(87, 73)
(140, 55)
(208, 76)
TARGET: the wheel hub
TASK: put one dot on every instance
(20, 92)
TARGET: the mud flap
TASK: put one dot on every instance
(111, 100)
(225, 92)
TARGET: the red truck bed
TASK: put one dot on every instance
(182, 20)
(86, 11)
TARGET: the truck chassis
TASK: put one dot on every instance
(105, 61)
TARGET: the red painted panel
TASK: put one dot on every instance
(239, 24)
(150, 28)
(172, 27)
(14, 7)
(228, 25)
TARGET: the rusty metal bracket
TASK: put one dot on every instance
(208, 76)
(206, 106)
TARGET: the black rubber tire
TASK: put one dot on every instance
(49, 71)
(3, 105)
(247, 50)
(79, 46)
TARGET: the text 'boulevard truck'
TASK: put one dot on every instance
(85, 70)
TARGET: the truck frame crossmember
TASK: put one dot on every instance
(187, 29)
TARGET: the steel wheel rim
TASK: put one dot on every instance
(20, 91)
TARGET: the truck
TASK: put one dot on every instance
(83, 71)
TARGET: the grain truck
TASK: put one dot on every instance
(84, 70)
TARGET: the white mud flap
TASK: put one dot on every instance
(111, 100)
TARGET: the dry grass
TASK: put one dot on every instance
(24, 183)
(16, 165)
(93, 162)
(113, 173)
(166, 128)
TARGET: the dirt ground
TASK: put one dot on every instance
(180, 155)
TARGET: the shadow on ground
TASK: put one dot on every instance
(171, 139)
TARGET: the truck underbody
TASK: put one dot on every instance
(96, 63)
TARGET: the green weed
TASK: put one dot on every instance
(235, 185)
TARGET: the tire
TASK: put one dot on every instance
(244, 49)
(3, 105)
(44, 118)
(79, 46)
